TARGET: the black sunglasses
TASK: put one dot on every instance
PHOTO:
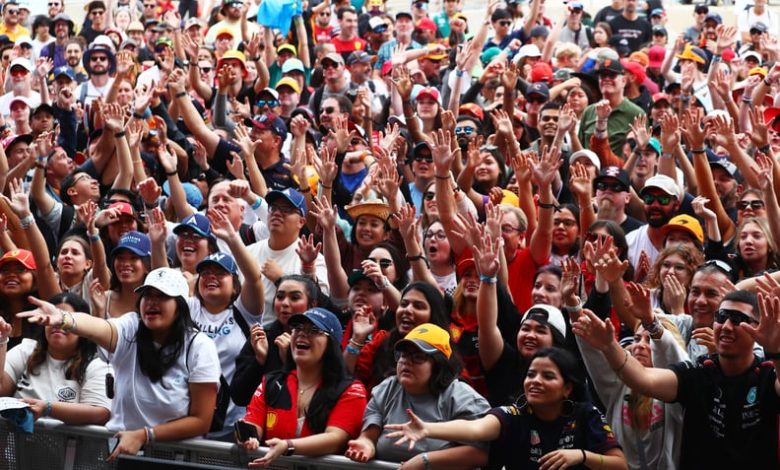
(328, 110)
(755, 205)
(383, 263)
(615, 187)
(429, 195)
(423, 158)
(735, 316)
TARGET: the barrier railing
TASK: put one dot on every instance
(55, 445)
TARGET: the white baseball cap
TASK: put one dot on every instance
(168, 281)
(546, 315)
(665, 184)
(585, 153)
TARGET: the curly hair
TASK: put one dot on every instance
(691, 257)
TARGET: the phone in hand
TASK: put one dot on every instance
(244, 431)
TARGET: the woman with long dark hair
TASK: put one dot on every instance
(166, 372)
(60, 375)
(310, 407)
(426, 380)
(551, 425)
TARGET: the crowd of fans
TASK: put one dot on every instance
(329, 228)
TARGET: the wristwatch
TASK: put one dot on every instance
(185, 63)
(290, 448)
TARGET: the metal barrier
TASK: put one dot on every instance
(55, 445)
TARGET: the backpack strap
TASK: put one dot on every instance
(187, 352)
(241, 321)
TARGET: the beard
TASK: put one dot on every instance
(659, 221)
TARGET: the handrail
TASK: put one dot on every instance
(91, 449)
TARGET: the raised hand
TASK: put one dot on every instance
(726, 37)
(594, 331)
(226, 75)
(220, 225)
(509, 77)
(603, 110)
(241, 109)
(520, 165)
(580, 181)
(670, 132)
(326, 167)
(544, 170)
(767, 333)
(441, 151)
(390, 182)
(19, 200)
(486, 255)
(124, 63)
(167, 160)
(113, 117)
(322, 211)
(259, 342)
(639, 128)
(705, 337)
(363, 322)
(43, 66)
(691, 129)
(448, 121)
(403, 82)
(307, 250)
(699, 204)
(639, 296)
(674, 295)
(190, 47)
(252, 48)
(567, 119)
(570, 280)
(340, 132)
(765, 172)
(243, 140)
(760, 131)
(503, 122)
(408, 224)
(44, 313)
(494, 219)
(149, 190)
(158, 230)
(144, 94)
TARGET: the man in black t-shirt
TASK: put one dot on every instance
(637, 31)
(731, 398)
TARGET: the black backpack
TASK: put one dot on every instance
(223, 395)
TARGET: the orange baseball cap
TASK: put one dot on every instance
(25, 257)
(429, 339)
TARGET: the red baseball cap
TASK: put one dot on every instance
(541, 72)
(25, 257)
(472, 109)
(772, 118)
(124, 208)
(635, 69)
(426, 23)
(655, 56)
(428, 91)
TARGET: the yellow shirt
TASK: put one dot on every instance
(16, 33)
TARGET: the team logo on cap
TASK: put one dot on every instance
(612, 171)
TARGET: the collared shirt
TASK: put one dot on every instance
(386, 51)
(617, 126)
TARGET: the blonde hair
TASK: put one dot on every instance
(567, 49)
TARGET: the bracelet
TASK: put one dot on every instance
(654, 328)
(68, 322)
(747, 99)
(488, 279)
(415, 258)
(94, 238)
(442, 177)
(180, 94)
(152, 205)
(767, 81)
(699, 151)
(716, 58)
(544, 205)
(326, 186)
(27, 221)
(765, 148)
(138, 116)
(47, 410)
(171, 173)
(256, 205)
(305, 189)
(459, 72)
(356, 344)
(426, 462)
(307, 267)
(622, 366)
(149, 435)
(768, 356)
(4, 340)
(352, 350)
(667, 155)
(119, 134)
(584, 457)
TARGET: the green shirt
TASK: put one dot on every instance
(617, 125)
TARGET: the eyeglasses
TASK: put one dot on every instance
(160, 49)
(735, 316)
(97, 12)
(329, 65)
(206, 69)
(755, 205)
(269, 103)
(54, 4)
(508, 229)
(151, 5)
(662, 199)
(415, 358)
(614, 187)
(324, 13)
(466, 130)
(307, 329)
(191, 236)
(286, 210)
(424, 158)
(328, 110)
(383, 263)
(724, 267)
(504, 23)
(607, 74)
(81, 177)
(98, 58)
(429, 195)
(12, 12)
(438, 235)
(568, 223)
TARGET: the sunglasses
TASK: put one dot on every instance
(12, 12)
(160, 49)
(504, 23)
(429, 195)
(307, 329)
(54, 4)
(269, 103)
(755, 205)
(539, 100)
(423, 158)
(468, 130)
(724, 267)
(662, 199)
(416, 358)
(421, 5)
(18, 72)
(329, 65)
(324, 13)
(286, 210)
(568, 223)
(328, 110)
(614, 187)
(383, 263)
(735, 316)
(97, 12)
(100, 58)
(206, 69)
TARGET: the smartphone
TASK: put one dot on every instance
(244, 431)
(112, 443)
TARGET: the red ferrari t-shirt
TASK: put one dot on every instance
(347, 413)
(521, 279)
(351, 45)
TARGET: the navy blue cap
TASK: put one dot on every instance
(136, 242)
(271, 122)
(322, 319)
(223, 260)
(538, 88)
(292, 196)
(198, 223)
(66, 71)
(713, 17)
